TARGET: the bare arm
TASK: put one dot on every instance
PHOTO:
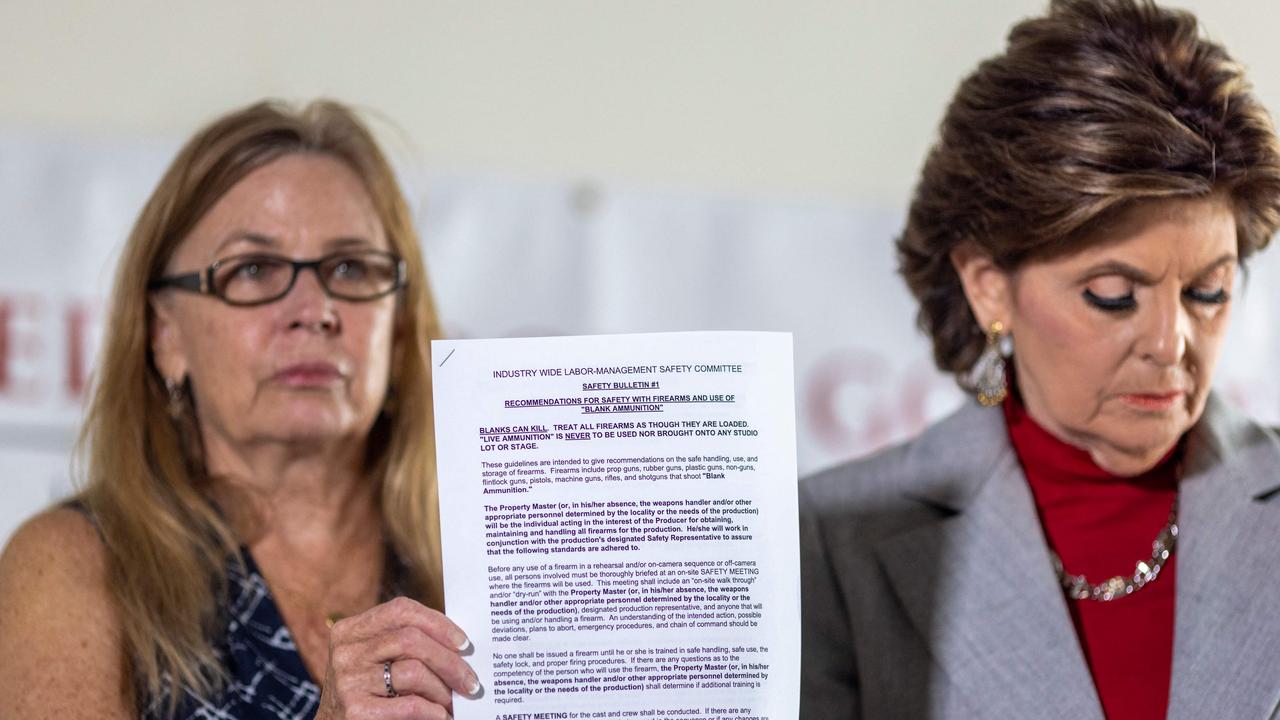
(60, 649)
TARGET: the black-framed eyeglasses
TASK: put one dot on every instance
(260, 278)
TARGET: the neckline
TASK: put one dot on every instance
(1060, 462)
(392, 586)
(296, 665)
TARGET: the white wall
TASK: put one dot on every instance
(822, 100)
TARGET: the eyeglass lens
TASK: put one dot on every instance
(260, 278)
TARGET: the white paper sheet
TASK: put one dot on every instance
(619, 524)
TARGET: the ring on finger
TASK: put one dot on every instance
(386, 679)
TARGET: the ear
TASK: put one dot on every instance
(166, 340)
(987, 287)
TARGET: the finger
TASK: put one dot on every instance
(404, 707)
(351, 694)
(357, 667)
(411, 676)
(397, 613)
(412, 643)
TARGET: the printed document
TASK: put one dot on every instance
(619, 524)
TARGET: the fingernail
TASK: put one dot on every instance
(473, 687)
(463, 643)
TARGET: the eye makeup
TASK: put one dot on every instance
(1118, 304)
(1126, 302)
(1216, 297)
(1111, 292)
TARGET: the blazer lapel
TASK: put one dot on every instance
(992, 612)
(1226, 660)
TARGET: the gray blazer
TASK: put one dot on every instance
(928, 590)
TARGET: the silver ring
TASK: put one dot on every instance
(386, 679)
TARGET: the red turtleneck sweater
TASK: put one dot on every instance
(1101, 525)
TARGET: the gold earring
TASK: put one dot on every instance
(987, 377)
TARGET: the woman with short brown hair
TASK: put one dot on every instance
(1093, 536)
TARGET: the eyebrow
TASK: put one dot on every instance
(245, 236)
(1123, 269)
(270, 243)
(342, 243)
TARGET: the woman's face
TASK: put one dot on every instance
(1115, 345)
(307, 367)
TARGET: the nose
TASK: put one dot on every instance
(1164, 334)
(308, 307)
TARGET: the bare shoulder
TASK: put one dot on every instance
(59, 535)
(57, 620)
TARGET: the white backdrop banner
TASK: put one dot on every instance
(522, 258)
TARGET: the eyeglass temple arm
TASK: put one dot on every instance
(194, 282)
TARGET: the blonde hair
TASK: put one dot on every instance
(145, 484)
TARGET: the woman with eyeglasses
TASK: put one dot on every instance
(257, 534)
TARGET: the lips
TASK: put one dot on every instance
(1154, 402)
(309, 374)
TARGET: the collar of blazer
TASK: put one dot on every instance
(948, 465)
(978, 584)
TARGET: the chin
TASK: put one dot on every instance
(1146, 435)
(316, 421)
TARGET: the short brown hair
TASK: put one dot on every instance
(1092, 108)
(166, 542)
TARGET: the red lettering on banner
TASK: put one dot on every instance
(77, 334)
(20, 346)
(921, 381)
(4, 346)
(33, 337)
(841, 370)
(894, 405)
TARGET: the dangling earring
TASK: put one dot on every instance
(987, 376)
(177, 395)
